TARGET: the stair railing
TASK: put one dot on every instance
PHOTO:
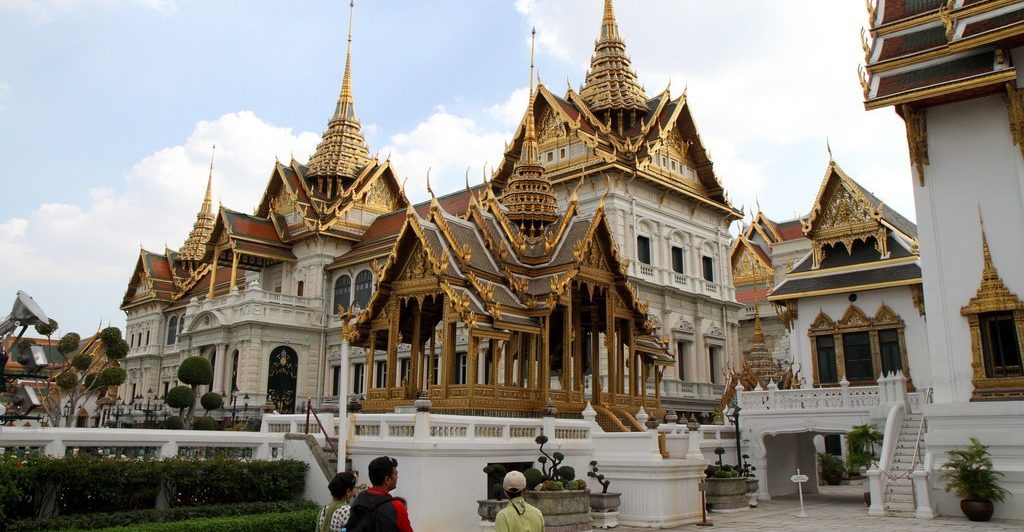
(327, 437)
(926, 398)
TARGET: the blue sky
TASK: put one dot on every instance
(108, 108)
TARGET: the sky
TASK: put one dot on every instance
(109, 109)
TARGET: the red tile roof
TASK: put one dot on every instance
(747, 295)
(790, 230)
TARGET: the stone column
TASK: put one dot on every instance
(343, 389)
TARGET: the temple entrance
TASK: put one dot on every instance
(282, 378)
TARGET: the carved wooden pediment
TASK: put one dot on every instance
(823, 323)
(749, 268)
(854, 317)
(551, 127)
(378, 195)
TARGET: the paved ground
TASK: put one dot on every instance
(837, 509)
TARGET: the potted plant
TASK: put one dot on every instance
(488, 508)
(564, 501)
(832, 468)
(969, 472)
(747, 472)
(604, 506)
(726, 489)
(860, 449)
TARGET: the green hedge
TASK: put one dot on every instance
(167, 515)
(84, 484)
(298, 521)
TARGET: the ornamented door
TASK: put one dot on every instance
(281, 379)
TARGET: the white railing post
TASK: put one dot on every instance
(694, 437)
(844, 386)
(924, 508)
(773, 389)
(875, 488)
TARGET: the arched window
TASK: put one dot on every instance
(181, 324)
(342, 292)
(364, 287)
(172, 330)
(300, 288)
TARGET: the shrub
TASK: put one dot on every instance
(69, 343)
(189, 482)
(46, 329)
(67, 379)
(495, 476)
(551, 485)
(969, 472)
(211, 401)
(116, 350)
(548, 462)
(578, 484)
(110, 335)
(180, 397)
(831, 465)
(195, 370)
(112, 376)
(566, 473)
(533, 477)
(860, 444)
(164, 515)
(599, 477)
(174, 423)
(81, 361)
(721, 471)
(15, 487)
(204, 423)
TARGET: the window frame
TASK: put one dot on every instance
(362, 286)
(644, 249)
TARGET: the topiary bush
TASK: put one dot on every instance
(566, 473)
(211, 401)
(174, 423)
(164, 515)
(47, 329)
(533, 477)
(495, 476)
(297, 521)
(67, 380)
(180, 397)
(81, 361)
(551, 485)
(195, 370)
(110, 335)
(204, 423)
(117, 349)
(112, 376)
(69, 343)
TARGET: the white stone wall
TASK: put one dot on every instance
(835, 306)
(974, 164)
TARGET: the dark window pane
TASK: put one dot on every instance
(709, 268)
(379, 374)
(342, 292)
(857, 352)
(643, 249)
(364, 287)
(889, 345)
(677, 259)
(1000, 345)
(826, 360)
(172, 330)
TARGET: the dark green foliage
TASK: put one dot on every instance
(204, 423)
(211, 401)
(300, 521)
(721, 471)
(85, 484)
(174, 423)
(67, 379)
(47, 329)
(180, 397)
(495, 477)
(548, 462)
(860, 444)
(578, 484)
(533, 477)
(600, 478)
(566, 473)
(81, 361)
(831, 465)
(719, 451)
(154, 516)
(195, 370)
(551, 485)
(116, 350)
(69, 343)
(112, 376)
(89, 380)
(110, 335)
(969, 472)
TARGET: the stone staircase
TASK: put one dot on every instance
(898, 495)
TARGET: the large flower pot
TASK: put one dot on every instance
(977, 510)
(833, 479)
(488, 510)
(564, 511)
(727, 494)
(752, 492)
(604, 509)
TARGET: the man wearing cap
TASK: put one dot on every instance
(518, 516)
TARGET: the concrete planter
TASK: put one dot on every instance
(604, 509)
(727, 494)
(488, 509)
(752, 492)
(564, 511)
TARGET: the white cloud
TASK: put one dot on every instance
(90, 244)
(447, 144)
(510, 112)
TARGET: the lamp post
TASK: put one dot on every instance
(734, 415)
(234, 403)
(118, 412)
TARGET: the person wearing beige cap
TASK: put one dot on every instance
(518, 516)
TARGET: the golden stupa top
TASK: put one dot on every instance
(528, 196)
(611, 84)
(342, 151)
(195, 245)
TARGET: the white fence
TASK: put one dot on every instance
(141, 443)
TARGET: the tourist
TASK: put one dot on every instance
(518, 516)
(334, 516)
(375, 509)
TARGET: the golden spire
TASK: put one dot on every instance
(989, 271)
(611, 85)
(342, 150)
(195, 245)
(528, 195)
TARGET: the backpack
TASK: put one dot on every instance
(365, 518)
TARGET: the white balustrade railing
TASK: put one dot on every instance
(141, 443)
(679, 279)
(469, 428)
(676, 388)
(842, 398)
(646, 269)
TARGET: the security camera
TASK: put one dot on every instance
(32, 358)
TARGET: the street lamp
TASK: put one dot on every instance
(734, 415)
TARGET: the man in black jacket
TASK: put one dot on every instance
(375, 510)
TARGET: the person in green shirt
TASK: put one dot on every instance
(518, 516)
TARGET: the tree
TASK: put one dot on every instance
(194, 371)
(88, 369)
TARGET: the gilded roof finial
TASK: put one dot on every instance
(611, 83)
(989, 272)
(195, 245)
(609, 29)
(342, 150)
(828, 146)
(429, 190)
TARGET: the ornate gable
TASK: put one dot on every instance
(749, 266)
(842, 214)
